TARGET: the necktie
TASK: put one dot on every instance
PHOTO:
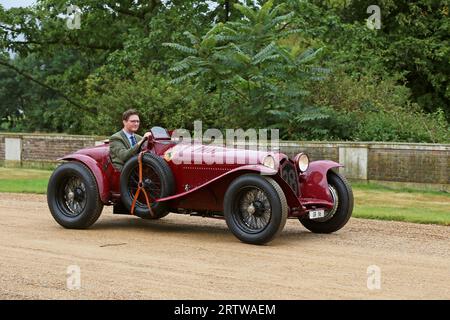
(133, 140)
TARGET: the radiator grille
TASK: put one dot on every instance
(289, 175)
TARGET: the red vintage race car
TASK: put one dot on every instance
(255, 198)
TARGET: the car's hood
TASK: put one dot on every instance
(214, 154)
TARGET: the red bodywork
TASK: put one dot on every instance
(200, 185)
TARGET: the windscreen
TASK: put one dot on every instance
(160, 133)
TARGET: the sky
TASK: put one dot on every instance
(16, 3)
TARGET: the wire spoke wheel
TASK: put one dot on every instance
(254, 209)
(331, 212)
(73, 196)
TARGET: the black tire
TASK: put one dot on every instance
(269, 209)
(342, 212)
(159, 183)
(73, 197)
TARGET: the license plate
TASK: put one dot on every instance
(316, 214)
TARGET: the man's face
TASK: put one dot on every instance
(132, 124)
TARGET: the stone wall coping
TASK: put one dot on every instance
(368, 144)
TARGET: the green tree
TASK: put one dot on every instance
(413, 40)
(261, 80)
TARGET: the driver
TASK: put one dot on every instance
(126, 143)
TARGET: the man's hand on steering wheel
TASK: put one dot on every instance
(146, 136)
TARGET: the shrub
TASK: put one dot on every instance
(403, 125)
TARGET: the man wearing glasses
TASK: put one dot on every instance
(126, 143)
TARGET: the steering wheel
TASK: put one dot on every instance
(143, 145)
(146, 141)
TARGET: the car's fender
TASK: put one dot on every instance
(100, 176)
(314, 187)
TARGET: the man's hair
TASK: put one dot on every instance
(130, 112)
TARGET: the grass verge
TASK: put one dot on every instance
(383, 203)
(24, 180)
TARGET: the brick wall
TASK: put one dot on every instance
(48, 148)
(40, 149)
(413, 163)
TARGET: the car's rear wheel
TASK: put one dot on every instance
(158, 182)
(255, 208)
(73, 197)
(336, 217)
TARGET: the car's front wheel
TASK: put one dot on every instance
(337, 216)
(73, 197)
(255, 208)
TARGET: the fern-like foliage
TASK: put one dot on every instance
(180, 48)
(262, 79)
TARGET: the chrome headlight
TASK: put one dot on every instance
(302, 161)
(269, 162)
